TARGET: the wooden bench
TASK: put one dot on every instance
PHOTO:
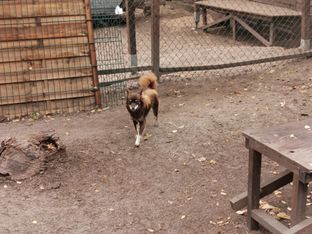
(290, 145)
(248, 14)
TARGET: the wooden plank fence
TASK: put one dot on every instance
(46, 57)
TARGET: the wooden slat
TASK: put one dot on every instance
(48, 107)
(42, 65)
(23, 10)
(268, 222)
(52, 52)
(44, 42)
(43, 32)
(46, 75)
(45, 90)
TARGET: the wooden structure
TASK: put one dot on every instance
(245, 13)
(47, 57)
(290, 145)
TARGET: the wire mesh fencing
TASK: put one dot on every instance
(221, 33)
(223, 37)
(71, 55)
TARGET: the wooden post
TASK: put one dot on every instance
(254, 176)
(93, 55)
(155, 37)
(299, 198)
(305, 25)
(131, 30)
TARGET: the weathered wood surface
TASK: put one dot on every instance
(248, 7)
(45, 57)
(289, 143)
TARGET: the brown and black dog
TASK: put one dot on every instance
(140, 101)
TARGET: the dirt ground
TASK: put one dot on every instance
(181, 178)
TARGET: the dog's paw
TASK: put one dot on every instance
(137, 141)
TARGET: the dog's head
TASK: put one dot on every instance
(134, 100)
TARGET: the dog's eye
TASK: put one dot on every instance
(137, 101)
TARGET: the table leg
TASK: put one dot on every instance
(299, 199)
(254, 176)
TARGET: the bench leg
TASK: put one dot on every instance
(272, 33)
(233, 25)
(299, 199)
(254, 176)
(204, 15)
(197, 16)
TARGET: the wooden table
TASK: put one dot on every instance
(246, 13)
(290, 145)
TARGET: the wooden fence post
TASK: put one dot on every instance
(305, 43)
(155, 34)
(131, 30)
(91, 41)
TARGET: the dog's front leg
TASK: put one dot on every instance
(140, 130)
(137, 137)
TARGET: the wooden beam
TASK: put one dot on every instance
(217, 21)
(252, 31)
(155, 37)
(284, 178)
(269, 222)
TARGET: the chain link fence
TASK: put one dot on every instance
(71, 55)
(214, 37)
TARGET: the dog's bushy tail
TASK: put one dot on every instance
(148, 80)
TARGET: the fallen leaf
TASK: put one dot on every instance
(150, 230)
(5, 186)
(174, 131)
(283, 103)
(241, 212)
(34, 222)
(212, 162)
(170, 202)
(283, 215)
(307, 127)
(183, 216)
(223, 193)
(147, 136)
(180, 127)
(202, 159)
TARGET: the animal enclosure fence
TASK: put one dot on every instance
(71, 55)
